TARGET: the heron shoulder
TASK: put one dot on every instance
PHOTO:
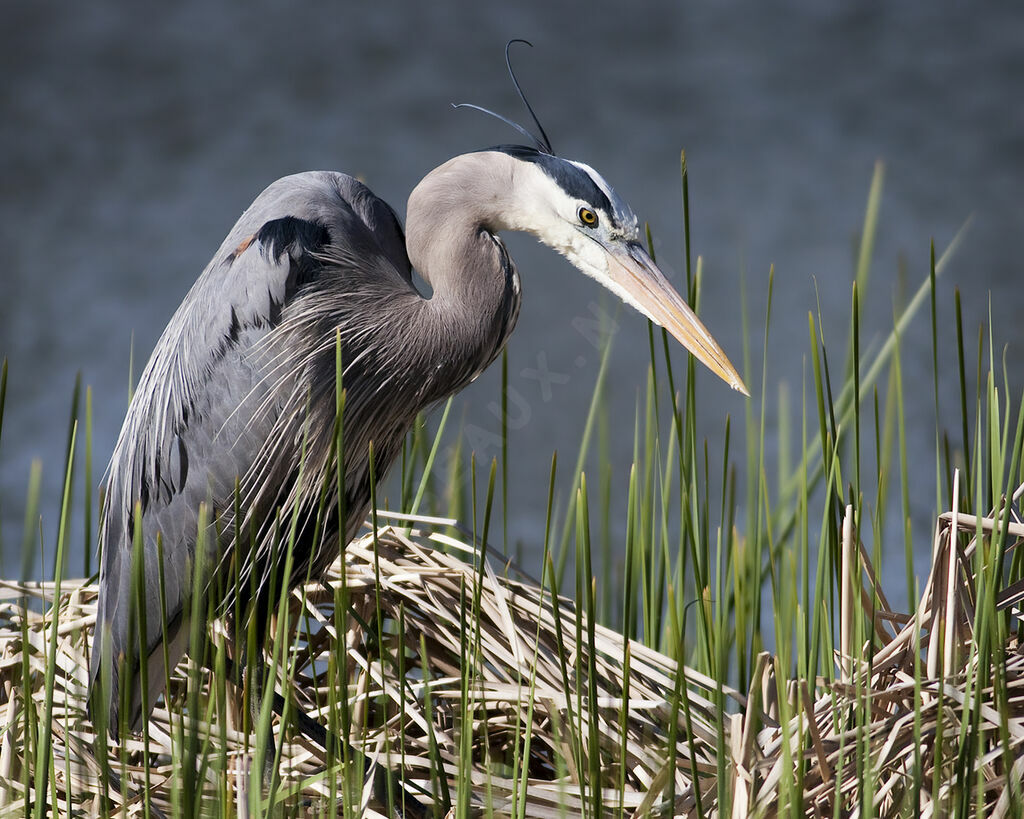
(276, 251)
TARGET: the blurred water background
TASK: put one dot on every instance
(132, 135)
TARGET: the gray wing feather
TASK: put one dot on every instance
(211, 403)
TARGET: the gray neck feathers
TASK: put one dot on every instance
(452, 218)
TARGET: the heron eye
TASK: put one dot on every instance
(587, 217)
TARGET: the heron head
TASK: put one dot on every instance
(569, 206)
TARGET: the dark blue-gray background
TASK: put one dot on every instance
(132, 136)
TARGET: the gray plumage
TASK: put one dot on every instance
(243, 378)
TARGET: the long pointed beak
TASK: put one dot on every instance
(634, 271)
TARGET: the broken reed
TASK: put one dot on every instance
(553, 715)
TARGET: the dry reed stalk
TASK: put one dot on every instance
(516, 690)
(424, 585)
(939, 640)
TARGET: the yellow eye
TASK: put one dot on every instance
(587, 217)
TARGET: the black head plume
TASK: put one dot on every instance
(541, 142)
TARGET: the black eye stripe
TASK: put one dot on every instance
(576, 182)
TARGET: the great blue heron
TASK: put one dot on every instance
(240, 390)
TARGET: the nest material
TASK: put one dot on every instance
(533, 677)
(517, 689)
(935, 724)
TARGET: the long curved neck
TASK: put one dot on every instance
(452, 218)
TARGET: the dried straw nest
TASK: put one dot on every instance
(518, 690)
(944, 727)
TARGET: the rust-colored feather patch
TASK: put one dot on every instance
(243, 246)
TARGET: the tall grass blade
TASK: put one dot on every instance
(43, 760)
